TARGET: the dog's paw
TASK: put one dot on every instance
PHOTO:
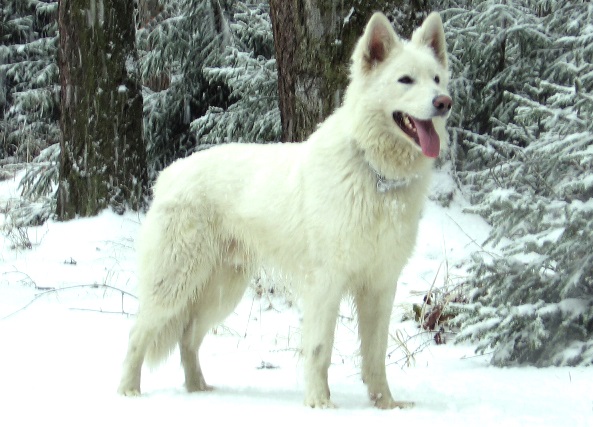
(129, 392)
(129, 384)
(320, 402)
(199, 386)
(387, 402)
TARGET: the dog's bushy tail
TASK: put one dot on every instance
(165, 339)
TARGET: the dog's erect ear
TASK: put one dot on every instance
(377, 41)
(432, 34)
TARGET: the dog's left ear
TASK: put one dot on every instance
(432, 34)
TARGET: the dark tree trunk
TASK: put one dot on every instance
(103, 159)
(314, 40)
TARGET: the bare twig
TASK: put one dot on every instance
(472, 240)
(488, 353)
(48, 291)
(403, 344)
(99, 311)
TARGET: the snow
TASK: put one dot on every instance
(62, 349)
(347, 18)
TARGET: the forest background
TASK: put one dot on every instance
(193, 74)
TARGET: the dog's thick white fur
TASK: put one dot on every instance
(338, 214)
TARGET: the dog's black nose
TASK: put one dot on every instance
(443, 104)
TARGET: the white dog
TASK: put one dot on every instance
(338, 214)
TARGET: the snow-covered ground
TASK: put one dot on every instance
(62, 342)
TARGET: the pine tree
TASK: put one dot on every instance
(209, 76)
(175, 46)
(523, 131)
(248, 69)
(29, 103)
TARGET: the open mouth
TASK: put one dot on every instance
(422, 132)
(407, 125)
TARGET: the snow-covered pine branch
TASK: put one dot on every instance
(523, 72)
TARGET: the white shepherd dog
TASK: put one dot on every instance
(337, 214)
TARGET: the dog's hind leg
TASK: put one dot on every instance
(374, 306)
(192, 338)
(177, 255)
(216, 301)
(141, 336)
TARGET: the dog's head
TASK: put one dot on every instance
(406, 81)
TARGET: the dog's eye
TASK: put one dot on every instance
(437, 79)
(407, 80)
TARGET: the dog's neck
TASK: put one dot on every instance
(385, 185)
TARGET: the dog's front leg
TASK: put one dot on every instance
(320, 310)
(374, 306)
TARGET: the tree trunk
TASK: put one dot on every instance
(103, 158)
(313, 41)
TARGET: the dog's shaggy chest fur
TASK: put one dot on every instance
(337, 214)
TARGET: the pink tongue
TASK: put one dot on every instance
(428, 137)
